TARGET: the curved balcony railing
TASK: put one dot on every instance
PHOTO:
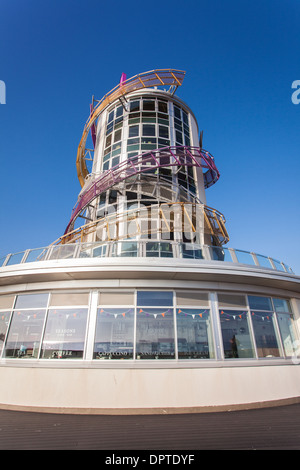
(149, 161)
(143, 249)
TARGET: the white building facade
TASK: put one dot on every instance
(141, 308)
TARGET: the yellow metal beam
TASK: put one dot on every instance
(153, 78)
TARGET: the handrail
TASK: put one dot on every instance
(145, 248)
(214, 221)
(153, 78)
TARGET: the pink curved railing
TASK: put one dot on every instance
(159, 158)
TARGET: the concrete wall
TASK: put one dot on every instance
(130, 391)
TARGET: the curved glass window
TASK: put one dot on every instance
(237, 341)
(155, 333)
(4, 322)
(25, 333)
(266, 337)
(194, 334)
(64, 336)
(114, 333)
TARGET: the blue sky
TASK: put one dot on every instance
(240, 58)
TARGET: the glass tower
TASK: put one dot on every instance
(145, 173)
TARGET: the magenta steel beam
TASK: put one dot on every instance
(149, 161)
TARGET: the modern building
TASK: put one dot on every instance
(139, 307)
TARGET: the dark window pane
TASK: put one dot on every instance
(148, 129)
(155, 298)
(134, 106)
(133, 131)
(149, 105)
(164, 132)
(179, 137)
(259, 303)
(177, 112)
(162, 107)
(110, 116)
(117, 135)
(119, 111)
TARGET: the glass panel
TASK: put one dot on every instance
(278, 265)
(259, 303)
(190, 251)
(288, 333)
(162, 107)
(65, 334)
(116, 298)
(24, 335)
(62, 252)
(149, 105)
(194, 334)
(15, 258)
(148, 129)
(134, 106)
(177, 112)
(114, 333)
(179, 137)
(230, 300)
(197, 299)
(155, 334)
(281, 305)
(263, 261)
(164, 132)
(220, 254)
(110, 116)
(31, 301)
(244, 257)
(155, 298)
(6, 301)
(36, 254)
(4, 321)
(133, 131)
(265, 336)
(69, 298)
(117, 135)
(237, 342)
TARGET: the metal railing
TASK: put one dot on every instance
(143, 249)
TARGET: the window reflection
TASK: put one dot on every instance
(194, 334)
(155, 333)
(236, 337)
(65, 334)
(25, 332)
(265, 335)
(114, 333)
(4, 321)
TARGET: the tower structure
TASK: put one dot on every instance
(140, 306)
(148, 173)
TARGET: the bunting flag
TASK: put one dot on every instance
(191, 313)
(155, 314)
(113, 313)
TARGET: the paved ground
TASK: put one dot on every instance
(268, 429)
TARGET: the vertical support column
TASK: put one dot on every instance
(216, 326)
(91, 326)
